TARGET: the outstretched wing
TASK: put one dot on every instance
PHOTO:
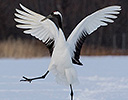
(87, 26)
(31, 22)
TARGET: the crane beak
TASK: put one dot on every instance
(49, 16)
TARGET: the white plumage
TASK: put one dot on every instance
(63, 52)
(32, 22)
(91, 23)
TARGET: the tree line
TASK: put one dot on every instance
(73, 11)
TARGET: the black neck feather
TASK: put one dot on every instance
(59, 21)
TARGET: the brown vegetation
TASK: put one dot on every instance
(73, 11)
(29, 49)
(102, 51)
(22, 49)
(110, 40)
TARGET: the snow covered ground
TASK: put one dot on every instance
(101, 78)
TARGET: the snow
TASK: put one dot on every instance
(101, 78)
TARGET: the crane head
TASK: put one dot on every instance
(55, 14)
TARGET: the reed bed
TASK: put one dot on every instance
(30, 48)
(22, 49)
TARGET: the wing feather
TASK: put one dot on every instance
(87, 26)
(45, 31)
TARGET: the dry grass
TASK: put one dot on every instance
(22, 49)
(28, 49)
(101, 51)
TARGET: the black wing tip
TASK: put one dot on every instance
(78, 47)
(77, 62)
(50, 45)
(80, 63)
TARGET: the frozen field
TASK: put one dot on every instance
(101, 78)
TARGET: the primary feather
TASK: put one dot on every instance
(31, 21)
(87, 26)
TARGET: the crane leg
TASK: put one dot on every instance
(30, 79)
(71, 92)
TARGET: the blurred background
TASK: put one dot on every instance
(109, 40)
(101, 77)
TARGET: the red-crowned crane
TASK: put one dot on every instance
(63, 52)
